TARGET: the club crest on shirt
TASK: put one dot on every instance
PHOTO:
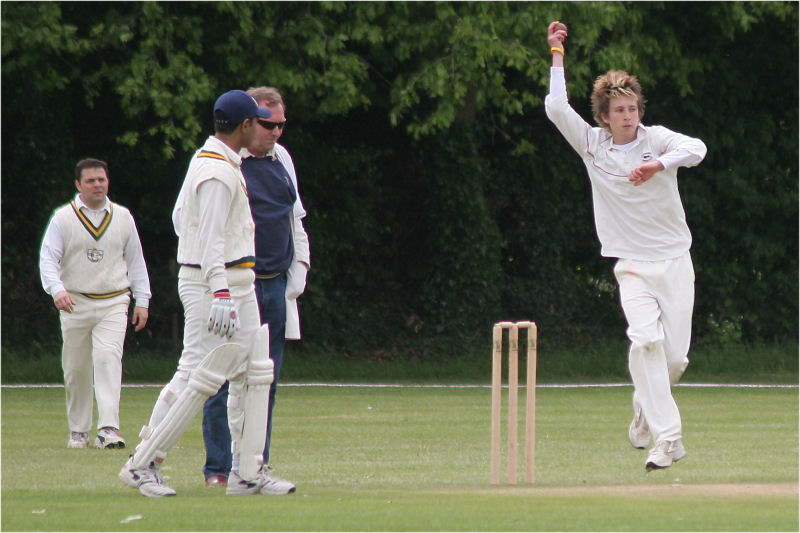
(647, 156)
(94, 255)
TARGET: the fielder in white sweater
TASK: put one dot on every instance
(91, 262)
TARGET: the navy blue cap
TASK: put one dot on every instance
(239, 106)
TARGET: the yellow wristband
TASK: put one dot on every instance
(557, 49)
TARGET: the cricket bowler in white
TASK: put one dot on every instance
(639, 218)
(223, 338)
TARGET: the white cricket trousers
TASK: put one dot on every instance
(199, 342)
(91, 358)
(658, 299)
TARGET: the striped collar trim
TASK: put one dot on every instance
(94, 231)
(214, 155)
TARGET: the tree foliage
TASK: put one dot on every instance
(440, 198)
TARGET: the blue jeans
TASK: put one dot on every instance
(271, 296)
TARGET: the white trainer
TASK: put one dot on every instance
(78, 440)
(147, 480)
(638, 431)
(664, 454)
(108, 437)
(262, 484)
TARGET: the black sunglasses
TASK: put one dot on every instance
(267, 125)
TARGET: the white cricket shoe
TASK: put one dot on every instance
(638, 431)
(262, 484)
(78, 440)
(147, 480)
(108, 437)
(664, 454)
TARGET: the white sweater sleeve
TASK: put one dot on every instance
(137, 268)
(50, 257)
(569, 123)
(302, 251)
(677, 149)
(558, 83)
(215, 200)
(680, 158)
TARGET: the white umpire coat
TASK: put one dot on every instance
(302, 251)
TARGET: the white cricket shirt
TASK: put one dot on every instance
(646, 222)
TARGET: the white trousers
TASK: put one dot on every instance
(91, 357)
(199, 342)
(658, 299)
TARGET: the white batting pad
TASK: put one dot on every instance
(260, 374)
(204, 381)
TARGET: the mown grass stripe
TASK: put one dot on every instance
(449, 386)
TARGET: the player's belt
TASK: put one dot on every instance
(244, 262)
(105, 295)
(267, 275)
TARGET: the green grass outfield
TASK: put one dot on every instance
(416, 459)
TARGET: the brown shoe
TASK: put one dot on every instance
(217, 480)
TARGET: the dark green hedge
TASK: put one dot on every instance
(440, 198)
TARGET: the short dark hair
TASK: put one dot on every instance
(222, 125)
(89, 162)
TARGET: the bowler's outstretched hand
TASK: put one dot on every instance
(556, 34)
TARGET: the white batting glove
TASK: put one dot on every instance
(296, 281)
(223, 319)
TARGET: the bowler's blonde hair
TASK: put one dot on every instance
(610, 85)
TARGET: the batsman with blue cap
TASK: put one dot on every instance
(223, 338)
